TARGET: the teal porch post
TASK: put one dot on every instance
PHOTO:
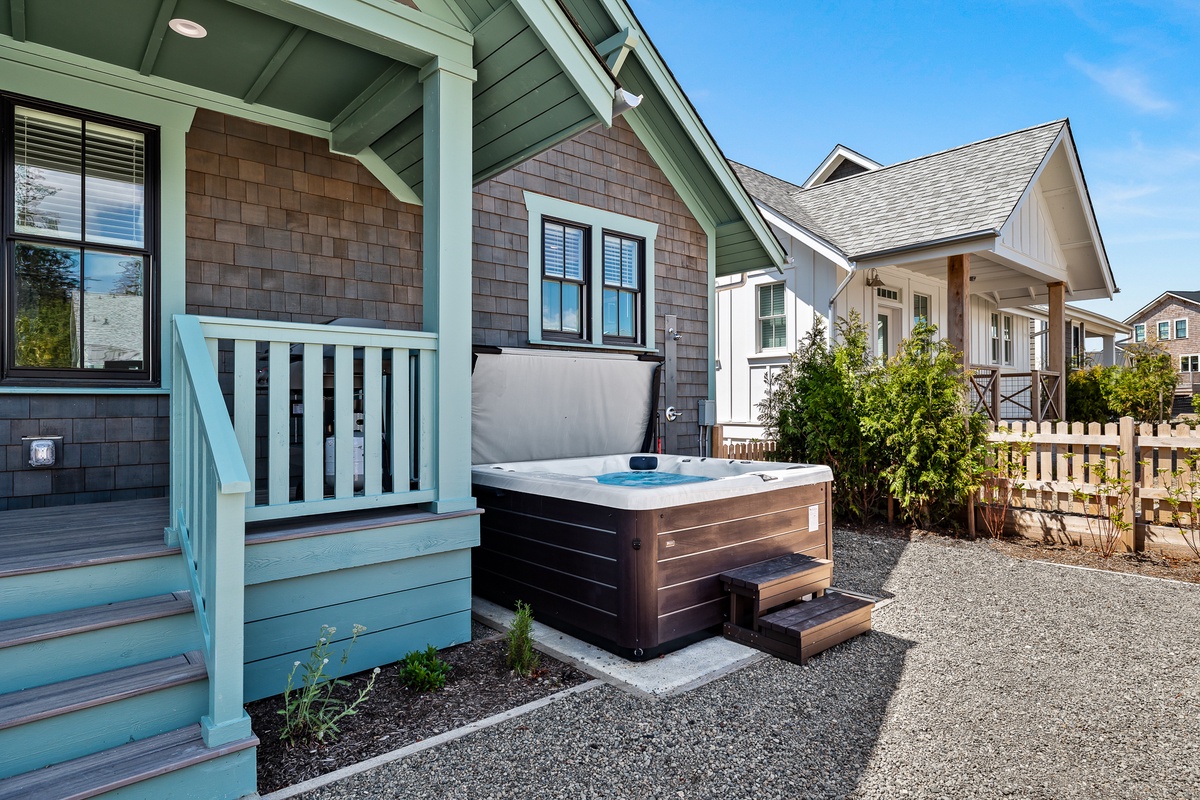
(447, 273)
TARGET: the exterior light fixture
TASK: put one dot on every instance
(873, 279)
(185, 27)
(43, 450)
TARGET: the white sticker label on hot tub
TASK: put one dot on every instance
(814, 517)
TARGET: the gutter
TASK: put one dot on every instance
(993, 233)
(841, 287)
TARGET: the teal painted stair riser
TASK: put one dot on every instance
(53, 660)
(226, 778)
(72, 735)
(79, 587)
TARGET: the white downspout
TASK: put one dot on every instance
(833, 300)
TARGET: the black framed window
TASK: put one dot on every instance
(80, 258)
(564, 279)
(624, 267)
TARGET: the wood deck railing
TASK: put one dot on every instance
(209, 481)
(329, 418)
(1015, 395)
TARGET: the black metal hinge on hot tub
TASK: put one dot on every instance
(637, 544)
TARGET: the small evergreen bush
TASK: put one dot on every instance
(1087, 394)
(423, 670)
(522, 658)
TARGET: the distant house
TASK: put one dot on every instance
(1173, 320)
(988, 241)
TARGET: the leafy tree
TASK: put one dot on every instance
(915, 411)
(1145, 387)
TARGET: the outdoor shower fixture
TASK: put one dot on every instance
(674, 334)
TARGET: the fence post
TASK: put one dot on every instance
(1128, 468)
(1035, 395)
(718, 441)
(996, 416)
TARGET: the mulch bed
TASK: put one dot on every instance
(479, 686)
(1150, 563)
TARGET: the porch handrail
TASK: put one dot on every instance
(328, 418)
(1037, 396)
(208, 482)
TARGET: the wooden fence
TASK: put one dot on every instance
(750, 450)
(1058, 463)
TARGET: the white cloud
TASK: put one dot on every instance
(1125, 84)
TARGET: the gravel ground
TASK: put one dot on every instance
(987, 677)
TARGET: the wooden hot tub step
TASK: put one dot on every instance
(757, 588)
(799, 632)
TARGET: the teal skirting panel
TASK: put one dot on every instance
(404, 605)
(226, 778)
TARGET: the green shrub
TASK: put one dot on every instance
(423, 670)
(915, 413)
(1145, 387)
(1087, 394)
(311, 711)
(813, 409)
(522, 658)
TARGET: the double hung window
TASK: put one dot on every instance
(623, 268)
(564, 279)
(1164, 331)
(79, 258)
(772, 316)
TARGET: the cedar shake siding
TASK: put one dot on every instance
(114, 448)
(279, 228)
(1169, 309)
(612, 171)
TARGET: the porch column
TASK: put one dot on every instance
(958, 305)
(446, 263)
(1108, 350)
(1058, 339)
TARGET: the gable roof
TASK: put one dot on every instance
(842, 162)
(905, 204)
(669, 127)
(777, 194)
(1187, 297)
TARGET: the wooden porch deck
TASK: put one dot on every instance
(40, 539)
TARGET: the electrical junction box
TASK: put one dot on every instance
(708, 413)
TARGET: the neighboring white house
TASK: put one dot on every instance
(986, 241)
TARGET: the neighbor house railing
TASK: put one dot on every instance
(329, 418)
(1058, 465)
(1015, 395)
(209, 483)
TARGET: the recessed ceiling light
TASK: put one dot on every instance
(185, 27)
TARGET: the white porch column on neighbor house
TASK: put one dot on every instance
(958, 303)
(1058, 339)
(446, 262)
(1108, 350)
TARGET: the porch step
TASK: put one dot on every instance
(49, 648)
(798, 632)
(47, 724)
(57, 559)
(176, 764)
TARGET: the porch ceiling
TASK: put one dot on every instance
(350, 68)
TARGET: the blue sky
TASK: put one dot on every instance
(780, 82)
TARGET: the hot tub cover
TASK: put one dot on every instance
(531, 404)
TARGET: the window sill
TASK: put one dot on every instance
(581, 345)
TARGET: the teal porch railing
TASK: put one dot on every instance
(328, 418)
(208, 484)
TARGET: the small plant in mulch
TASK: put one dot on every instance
(1000, 480)
(1104, 499)
(522, 658)
(310, 710)
(423, 670)
(1184, 497)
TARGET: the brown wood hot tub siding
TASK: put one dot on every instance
(576, 563)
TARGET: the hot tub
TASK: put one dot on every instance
(634, 568)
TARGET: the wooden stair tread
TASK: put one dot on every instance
(278, 530)
(43, 702)
(45, 539)
(807, 617)
(109, 770)
(775, 570)
(62, 623)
